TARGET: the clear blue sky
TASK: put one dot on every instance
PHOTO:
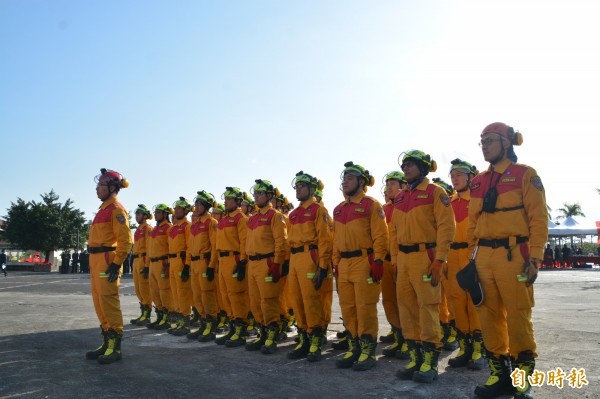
(190, 95)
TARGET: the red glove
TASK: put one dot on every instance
(274, 270)
(376, 270)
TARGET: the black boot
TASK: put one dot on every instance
(366, 360)
(113, 349)
(476, 362)
(389, 338)
(222, 339)
(159, 315)
(428, 371)
(199, 331)
(251, 329)
(196, 318)
(222, 322)
(164, 323)
(301, 350)
(239, 334)
(210, 330)
(144, 319)
(390, 351)
(93, 355)
(465, 352)
(259, 341)
(134, 321)
(316, 341)
(343, 343)
(183, 326)
(499, 381)
(449, 338)
(416, 358)
(270, 345)
(350, 356)
(526, 362)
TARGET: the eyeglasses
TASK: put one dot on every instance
(407, 164)
(486, 142)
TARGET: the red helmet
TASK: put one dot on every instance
(502, 129)
(110, 177)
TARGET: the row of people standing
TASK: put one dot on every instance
(79, 262)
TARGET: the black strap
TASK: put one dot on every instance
(227, 253)
(354, 254)
(135, 256)
(295, 250)
(97, 250)
(459, 245)
(262, 256)
(499, 243)
(415, 248)
(164, 257)
(388, 257)
(195, 258)
(512, 208)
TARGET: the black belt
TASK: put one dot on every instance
(500, 243)
(227, 253)
(164, 257)
(299, 249)
(262, 256)
(135, 256)
(181, 255)
(415, 248)
(459, 245)
(97, 250)
(388, 257)
(354, 254)
(205, 256)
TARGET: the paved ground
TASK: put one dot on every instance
(47, 323)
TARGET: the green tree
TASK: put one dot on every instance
(47, 225)
(570, 210)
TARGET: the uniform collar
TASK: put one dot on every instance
(180, 222)
(501, 166)
(466, 195)
(266, 209)
(306, 204)
(232, 213)
(358, 198)
(108, 202)
(204, 217)
(421, 186)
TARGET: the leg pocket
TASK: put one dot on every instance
(524, 296)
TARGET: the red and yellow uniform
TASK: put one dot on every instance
(140, 261)
(110, 241)
(326, 291)
(360, 237)
(521, 219)
(231, 249)
(181, 290)
(266, 244)
(421, 231)
(388, 280)
(158, 251)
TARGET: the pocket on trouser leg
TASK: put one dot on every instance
(524, 296)
(429, 295)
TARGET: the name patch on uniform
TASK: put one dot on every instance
(537, 183)
(422, 196)
(359, 209)
(308, 214)
(475, 186)
(445, 200)
(509, 179)
(263, 219)
(121, 218)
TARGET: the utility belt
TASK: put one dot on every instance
(261, 256)
(416, 248)
(205, 256)
(301, 248)
(506, 243)
(164, 257)
(97, 250)
(459, 245)
(180, 254)
(135, 256)
(357, 253)
(227, 253)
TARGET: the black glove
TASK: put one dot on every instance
(145, 272)
(185, 273)
(240, 270)
(530, 270)
(320, 276)
(285, 268)
(210, 273)
(113, 272)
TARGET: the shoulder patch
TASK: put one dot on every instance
(326, 218)
(537, 183)
(121, 219)
(282, 218)
(381, 213)
(445, 200)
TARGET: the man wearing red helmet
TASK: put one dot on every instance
(110, 241)
(507, 230)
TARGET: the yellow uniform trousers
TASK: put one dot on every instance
(326, 294)
(358, 296)
(264, 294)
(104, 294)
(505, 313)
(233, 292)
(388, 294)
(445, 309)
(140, 284)
(181, 291)
(305, 300)
(465, 314)
(160, 287)
(204, 292)
(418, 301)
(285, 302)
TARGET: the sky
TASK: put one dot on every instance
(199, 95)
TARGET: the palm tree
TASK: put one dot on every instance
(570, 210)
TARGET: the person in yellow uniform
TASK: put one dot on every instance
(286, 313)
(394, 182)
(179, 275)
(359, 247)
(421, 231)
(110, 241)
(231, 248)
(158, 252)
(310, 247)
(201, 256)
(468, 327)
(141, 264)
(218, 212)
(507, 232)
(266, 246)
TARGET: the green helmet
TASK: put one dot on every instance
(449, 189)
(264, 185)
(248, 200)
(357, 170)
(163, 208)
(310, 181)
(394, 175)
(219, 208)
(463, 166)
(319, 193)
(143, 209)
(206, 199)
(421, 158)
(183, 203)
(233, 192)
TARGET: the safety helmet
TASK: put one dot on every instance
(233, 192)
(310, 181)
(111, 178)
(184, 204)
(143, 209)
(248, 200)
(319, 193)
(503, 130)
(290, 206)
(351, 169)
(421, 158)
(449, 189)
(266, 186)
(220, 208)
(394, 175)
(463, 166)
(206, 199)
(163, 208)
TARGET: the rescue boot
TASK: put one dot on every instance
(198, 332)
(389, 338)
(301, 349)
(290, 322)
(173, 322)
(281, 334)
(251, 329)
(350, 356)
(449, 339)
(239, 334)
(222, 339)
(416, 358)
(134, 321)
(477, 361)
(403, 354)
(144, 319)
(164, 324)
(390, 351)
(196, 318)
(526, 362)
(270, 345)
(499, 381)
(465, 352)
(222, 322)
(317, 340)
(259, 341)
(152, 324)
(428, 371)
(93, 355)
(113, 349)
(366, 359)
(343, 343)
(209, 331)
(183, 326)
